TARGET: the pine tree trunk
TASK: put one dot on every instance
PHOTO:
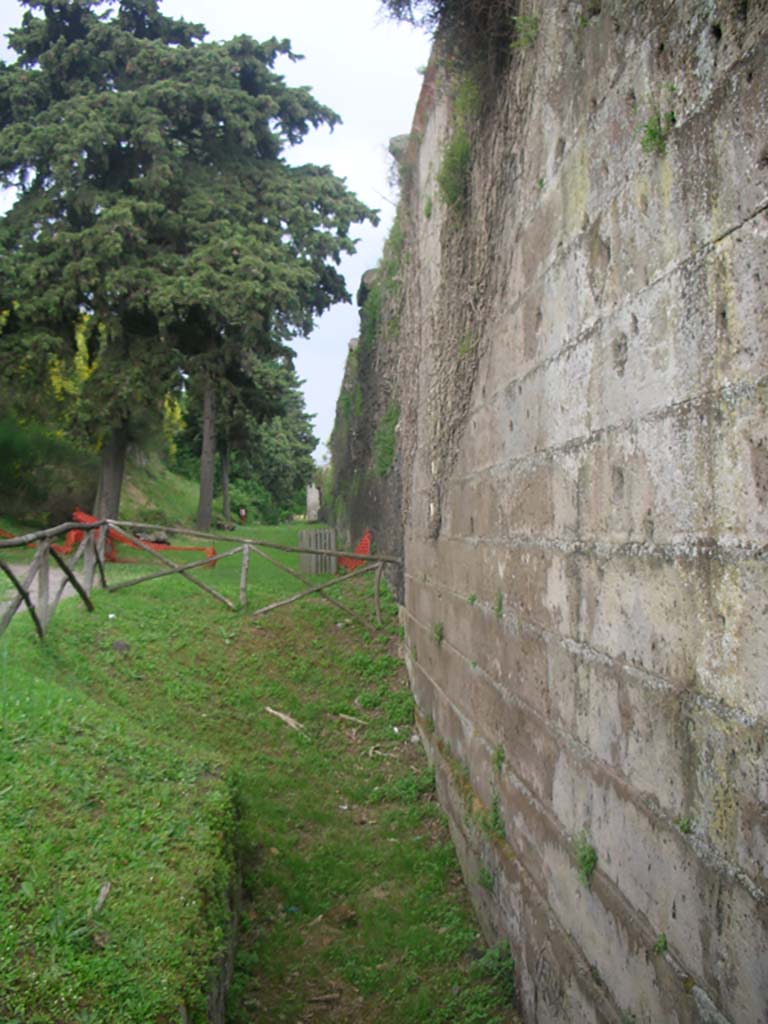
(225, 481)
(111, 469)
(207, 458)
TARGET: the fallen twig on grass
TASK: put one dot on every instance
(103, 893)
(286, 718)
(350, 718)
(331, 997)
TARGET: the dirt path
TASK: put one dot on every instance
(55, 579)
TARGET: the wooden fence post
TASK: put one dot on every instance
(101, 552)
(244, 577)
(22, 595)
(377, 591)
(89, 562)
(43, 604)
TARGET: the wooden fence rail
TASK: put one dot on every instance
(33, 588)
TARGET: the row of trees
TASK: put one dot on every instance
(158, 234)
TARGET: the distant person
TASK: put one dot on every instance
(241, 515)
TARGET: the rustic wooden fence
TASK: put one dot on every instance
(33, 586)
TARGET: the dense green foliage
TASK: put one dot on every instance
(265, 441)
(155, 212)
(279, 460)
(32, 481)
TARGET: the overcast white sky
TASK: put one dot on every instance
(365, 68)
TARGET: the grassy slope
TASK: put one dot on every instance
(121, 738)
(87, 797)
(152, 493)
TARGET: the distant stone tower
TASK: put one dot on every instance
(313, 503)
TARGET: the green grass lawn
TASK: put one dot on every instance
(136, 750)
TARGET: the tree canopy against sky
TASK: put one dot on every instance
(155, 210)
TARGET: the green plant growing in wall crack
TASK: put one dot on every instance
(485, 878)
(655, 132)
(586, 858)
(453, 174)
(492, 821)
(466, 345)
(438, 632)
(498, 759)
(660, 945)
(526, 31)
(384, 440)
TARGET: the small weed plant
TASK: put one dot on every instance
(466, 345)
(655, 132)
(660, 945)
(685, 825)
(492, 821)
(498, 759)
(526, 31)
(438, 632)
(498, 606)
(586, 858)
(485, 878)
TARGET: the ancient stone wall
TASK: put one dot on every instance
(580, 359)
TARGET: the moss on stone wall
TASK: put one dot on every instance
(384, 441)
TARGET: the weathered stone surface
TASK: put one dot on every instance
(580, 490)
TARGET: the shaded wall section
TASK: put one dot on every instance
(579, 354)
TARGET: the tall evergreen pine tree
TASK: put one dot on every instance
(156, 211)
